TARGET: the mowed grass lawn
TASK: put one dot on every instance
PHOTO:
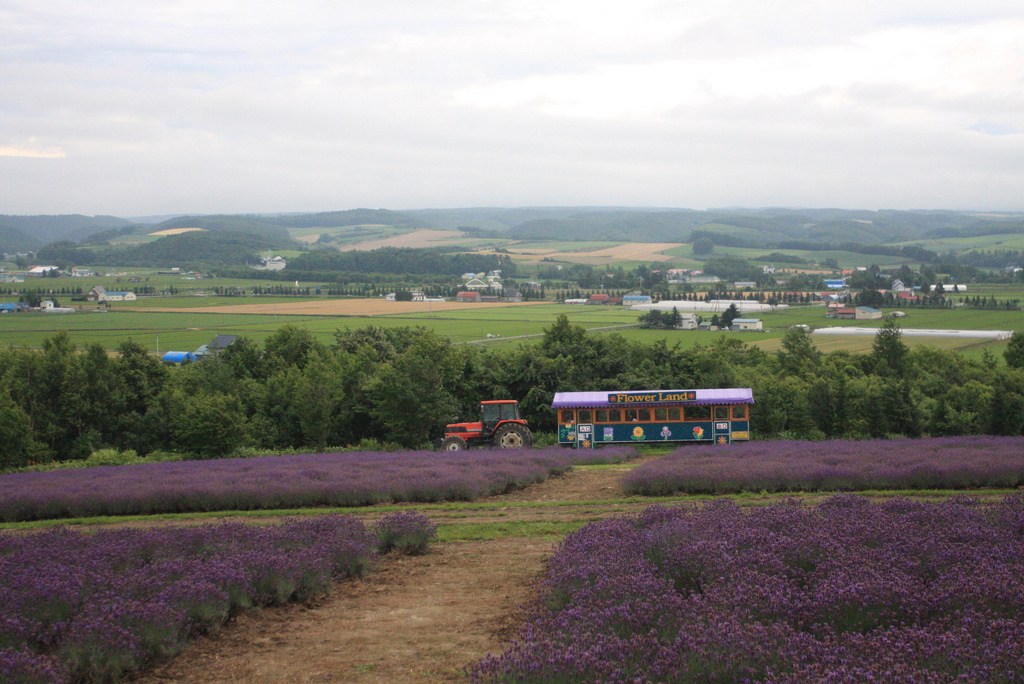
(185, 330)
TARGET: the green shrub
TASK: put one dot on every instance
(102, 457)
(370, 444)
(545, 439)
(162, 456)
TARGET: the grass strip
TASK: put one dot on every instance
(462, 532)
(742, 499)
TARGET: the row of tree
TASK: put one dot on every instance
(402, 385)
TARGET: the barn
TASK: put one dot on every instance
(747, 324)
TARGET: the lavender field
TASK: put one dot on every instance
(97, 607)
(333, 479)
(849, 591)
(840, 465)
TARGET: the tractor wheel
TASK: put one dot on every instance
(513, 436)
(453, 443)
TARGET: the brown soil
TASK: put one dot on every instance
(418, 238)
(339, 307)
(415, 619)
(175, 231)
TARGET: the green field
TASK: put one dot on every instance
(185, 330)
(129, 278)
(684, 257)
(1014, 241)
(350, 235)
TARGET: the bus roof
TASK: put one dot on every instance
(616, 398)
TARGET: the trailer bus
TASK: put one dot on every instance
(588, 419)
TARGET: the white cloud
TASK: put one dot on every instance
(30, 149)
(230, 106)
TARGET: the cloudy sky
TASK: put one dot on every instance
(201, 106)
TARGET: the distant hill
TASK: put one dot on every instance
(187, 250)
(227, 223)
(759, 228)
(43, 229)
(277, 225)
(350, 217)
(13, 241)
(616, 224)
(399, 260)
(223, 247)
(234, 238)
(1007, 226)
(502, 219)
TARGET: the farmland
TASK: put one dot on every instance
(846, 591)
(181, 311)
(782, 465)
(336, 479)
(162, 323)
(101, 607)
(365, 631)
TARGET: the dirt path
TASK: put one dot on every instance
(417, 619)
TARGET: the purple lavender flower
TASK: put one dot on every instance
(407, 532)
(840, 465)
(103, 606)
(337, 479)
(846, 591)
(24, 667)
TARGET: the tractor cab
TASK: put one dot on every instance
(494, 412)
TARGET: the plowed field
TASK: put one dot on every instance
(344, 307)
(417, 238)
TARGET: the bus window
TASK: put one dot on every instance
(632, 415)
(698, 412)
(601, 416)
(615, 415)
(567, 416)
(721, 413)
(661, 414)
(584, 415)
(674, 413)
(739, 412)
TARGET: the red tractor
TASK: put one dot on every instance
(501, 426)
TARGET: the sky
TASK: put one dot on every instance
(220, 106)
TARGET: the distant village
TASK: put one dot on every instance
(840, 301)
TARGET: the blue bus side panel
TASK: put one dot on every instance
(633, 433)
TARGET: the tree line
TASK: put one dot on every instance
(400, 386)
(401, 260)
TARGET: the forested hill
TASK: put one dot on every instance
(352, 217)
(39, 230)
(277, 226)
(757, 228)
(635, 226)
(13, 241)
(502, 219)
(187, 250)
(29, 233)
(399, 260)
(764, 228)
(225, 247)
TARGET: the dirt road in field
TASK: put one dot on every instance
(417, 619)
